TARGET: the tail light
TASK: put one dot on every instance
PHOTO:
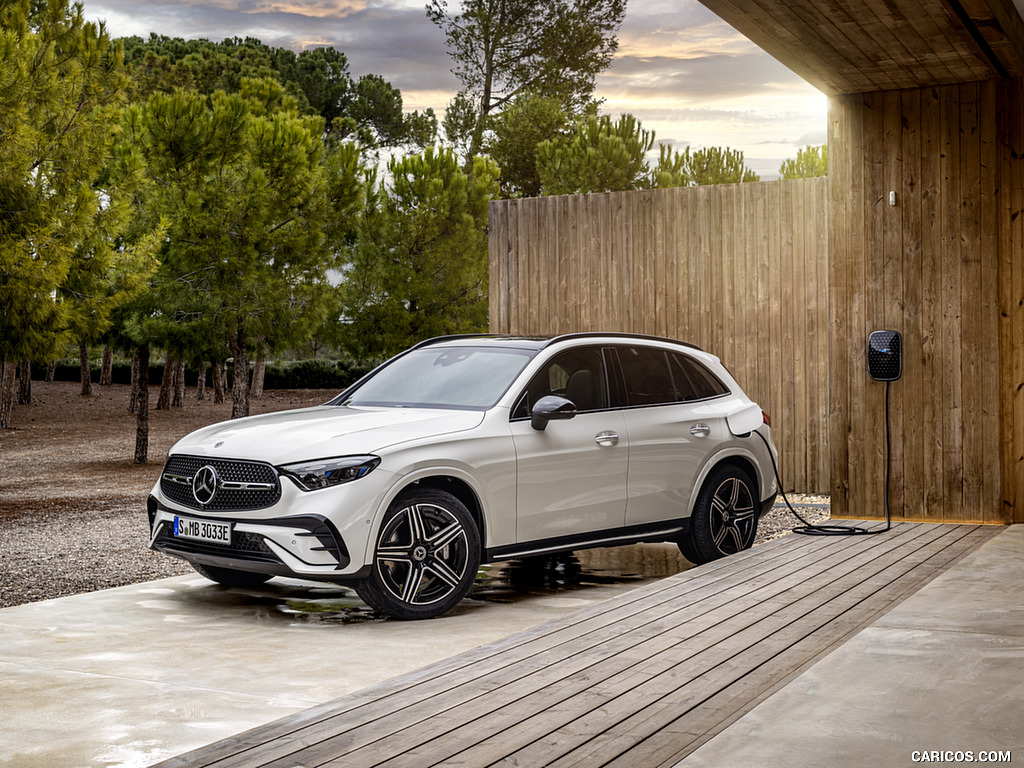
(766, 418)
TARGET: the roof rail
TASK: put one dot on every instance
(619, 335)
(457, 336)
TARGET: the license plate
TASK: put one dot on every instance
(202, 530)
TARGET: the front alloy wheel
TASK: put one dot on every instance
(426, 557)
(724, 520)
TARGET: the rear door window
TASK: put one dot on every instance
(647, 376)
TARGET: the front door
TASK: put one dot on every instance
(571, 477)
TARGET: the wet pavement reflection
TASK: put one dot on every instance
(504, 582)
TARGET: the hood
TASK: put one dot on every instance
(322, 432)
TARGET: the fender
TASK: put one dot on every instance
(401, 482)
(734, 449)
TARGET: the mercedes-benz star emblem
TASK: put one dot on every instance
(205, 484)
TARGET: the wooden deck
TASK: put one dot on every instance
(639, 680)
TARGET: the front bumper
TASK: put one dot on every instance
(301, 546)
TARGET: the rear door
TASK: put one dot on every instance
(673, 429)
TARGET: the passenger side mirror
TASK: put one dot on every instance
(551, 408)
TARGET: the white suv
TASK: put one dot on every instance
(464, 450)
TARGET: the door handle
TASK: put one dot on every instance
(700, 430)
(606, 439)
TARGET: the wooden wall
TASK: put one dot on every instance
(945, 268)
(739, 270)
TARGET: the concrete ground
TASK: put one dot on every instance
(130, 676)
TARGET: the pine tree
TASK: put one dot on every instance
(810, 162)
(419, 268)
(59, 79)
(601, 156)
(250, 201)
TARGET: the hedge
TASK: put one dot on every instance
(299, 374)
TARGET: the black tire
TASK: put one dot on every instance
(688, 548)
(425, 558)
(724, 520)
(229, 577)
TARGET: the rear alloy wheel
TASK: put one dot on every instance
(724, 519)
(426, 557)
(230, 577)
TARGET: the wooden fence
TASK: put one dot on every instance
(741, 270)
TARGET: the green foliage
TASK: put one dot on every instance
(516, 132)
(504, 48)
(604, 156)
(462, 125)
(419, 267)
(711, 165)
(317, 374)
(63, 261)
(318, 79)
(300, 374)
(600, 156)
(809, 163)
(250, 197)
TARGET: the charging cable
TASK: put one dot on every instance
(808, 529)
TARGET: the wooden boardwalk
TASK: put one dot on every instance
(642, 679)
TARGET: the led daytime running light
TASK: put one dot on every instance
(326, 473)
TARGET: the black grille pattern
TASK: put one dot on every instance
(176, 483)
(244, 546)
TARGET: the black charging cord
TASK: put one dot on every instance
(809, 529)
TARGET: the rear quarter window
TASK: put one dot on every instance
(703, 383)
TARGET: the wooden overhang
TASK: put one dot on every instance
(858, 46)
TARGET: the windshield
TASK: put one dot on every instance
(455, 377)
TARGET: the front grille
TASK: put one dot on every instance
(234, 479)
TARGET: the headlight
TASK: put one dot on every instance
(324, 473)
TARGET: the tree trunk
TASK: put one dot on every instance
(83, 356)
(51, 372)
(259, 372)
(240, 383)
(6, 392)
(107, 367)
(133, 399)
(163, 402)
(218, 381)
(142, 404)
(25, 382)
(201, 382)
(178, 399)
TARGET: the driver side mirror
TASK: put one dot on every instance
(551, 408)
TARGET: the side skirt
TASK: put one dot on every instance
(615, 537)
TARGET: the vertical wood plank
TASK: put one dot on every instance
(913, 388)
(988, 343)
(951, 394)
(931, 303)
(1011, 128)
(894, 305)
(971, 301)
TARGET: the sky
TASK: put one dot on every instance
(679, 69)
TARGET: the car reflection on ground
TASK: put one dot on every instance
(514, 581)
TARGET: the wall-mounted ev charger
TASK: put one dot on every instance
(885, 355)
(885, 363)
